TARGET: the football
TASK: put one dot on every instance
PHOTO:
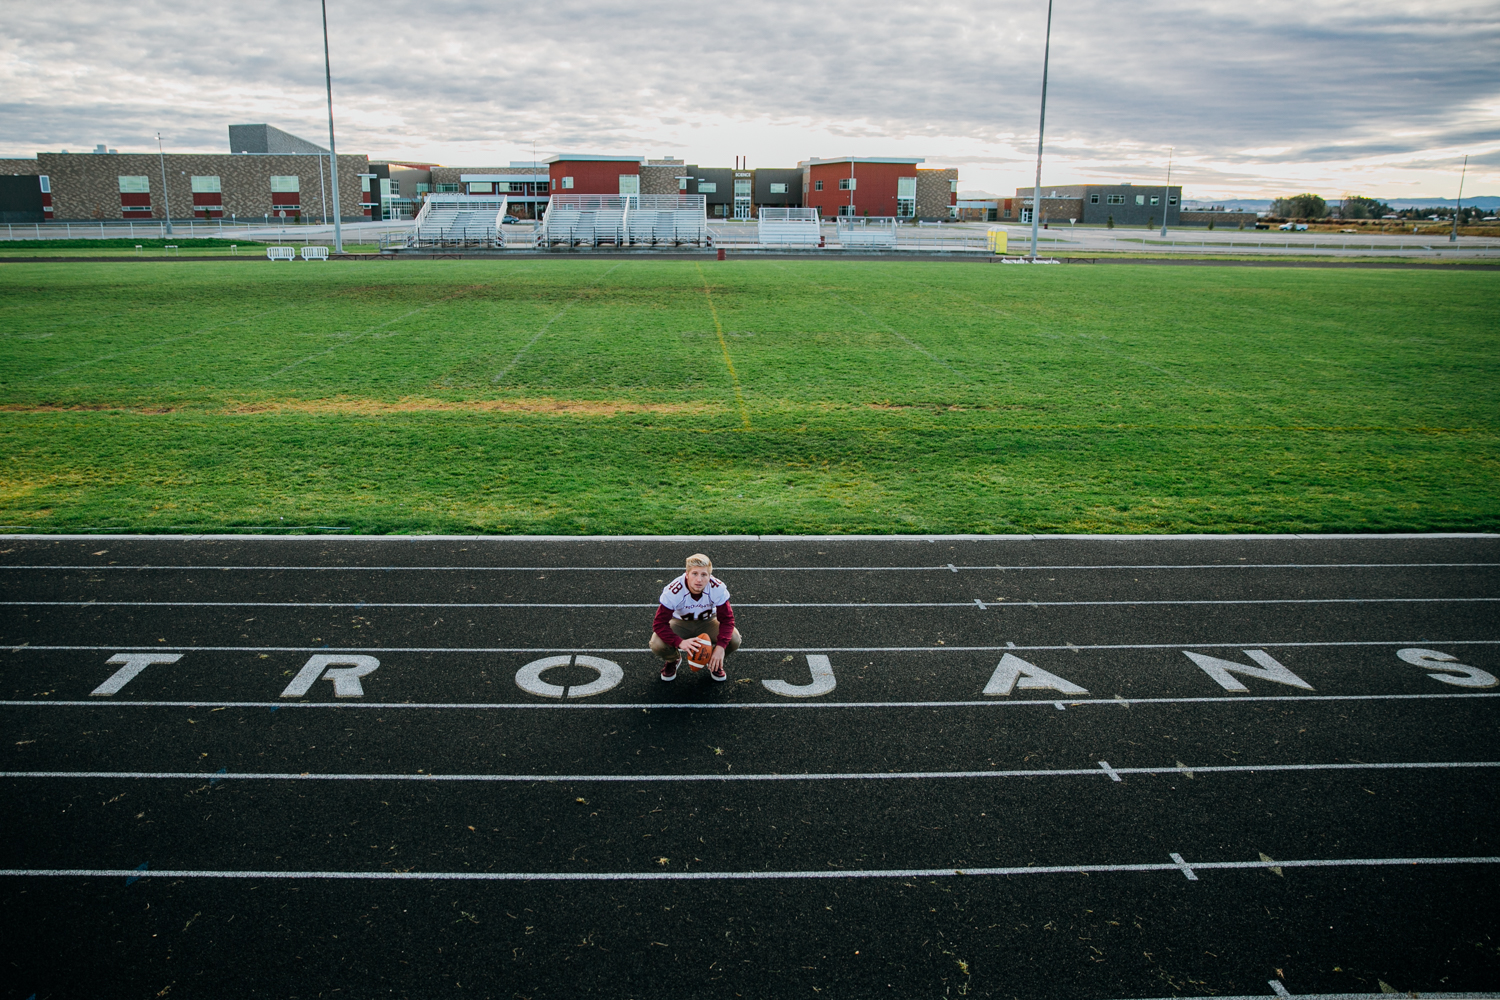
(699, 661)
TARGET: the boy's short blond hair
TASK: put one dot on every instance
(699, 559)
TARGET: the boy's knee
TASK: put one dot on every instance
(734, 642)
(658, 647)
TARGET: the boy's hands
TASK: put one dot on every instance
(695, 647)
(716, 661)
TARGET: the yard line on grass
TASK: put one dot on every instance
(1079, 772)
(991, 605)
(739, 397)
(1175, 865)
(886, 326)
(181, 336)
(369, 330)
(548, 325)
(945, 568)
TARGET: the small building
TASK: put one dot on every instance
(1100, 204)
(879, 186)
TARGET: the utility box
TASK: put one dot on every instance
(999, 240)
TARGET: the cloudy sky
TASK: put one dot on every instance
(1258, 97)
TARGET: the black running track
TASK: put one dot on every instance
(1044, 767)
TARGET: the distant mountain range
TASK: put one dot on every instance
(1488, 201)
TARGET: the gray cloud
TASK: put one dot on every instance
(1352, 90)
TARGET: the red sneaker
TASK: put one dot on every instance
(717, 673)
(669, 670)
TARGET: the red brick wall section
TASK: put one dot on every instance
(591, 176)
(874, 187)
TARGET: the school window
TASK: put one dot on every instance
(846, 210)
(906, 197)
(1156, 199)
(481, 187)
(953, 187)
(396, 187)
(708, 187)
(46, 184)
(630, 183)
(1114, 199)
(846, 183)
(1093, 199)
(285, 183)
(135, 185)
(206, 185)
(778, 189)
(1140, 199)
(1172, 200)
(567, 183)
(817, 185)
(364, 184)
(682, 183)
(742, 189)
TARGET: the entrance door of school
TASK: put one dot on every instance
(742, 197)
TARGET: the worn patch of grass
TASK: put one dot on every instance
(648, 396)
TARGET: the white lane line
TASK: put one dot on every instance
(735, 706)
(1175, 865)
(750, 569)
(1084, 772)
(1184, 867)
(1009, 647)
(1337, 996)
(1019, 603)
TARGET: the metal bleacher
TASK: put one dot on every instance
(459, 220)
(789, 227)
(593, 220)
(866, 232)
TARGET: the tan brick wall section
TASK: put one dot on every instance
(13, 168)
(86, 186)
(935, 192)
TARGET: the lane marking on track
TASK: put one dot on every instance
(1114, 773)
(1284, 992)
(736, 706)
(743, 569)
(1008, 647)
(1175, 865)
(1017, 603)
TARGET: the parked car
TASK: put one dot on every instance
(1293, 227)
(510, 220)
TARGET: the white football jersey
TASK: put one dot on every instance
(678, 599)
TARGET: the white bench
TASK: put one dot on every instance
(315, 253)
(281, 253)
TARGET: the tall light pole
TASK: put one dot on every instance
(167, 197)
(333, 156)
(1036, 197)
(1453, 237)
(1166, 193)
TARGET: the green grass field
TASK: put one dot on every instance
(758, 396)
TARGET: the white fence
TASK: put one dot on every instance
(789, 227)
(871, 232)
